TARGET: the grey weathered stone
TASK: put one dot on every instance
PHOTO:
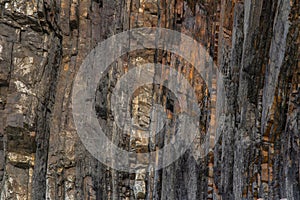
(255, 44)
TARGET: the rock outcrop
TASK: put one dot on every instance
(255, 152)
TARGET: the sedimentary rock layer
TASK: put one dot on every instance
(255, 152)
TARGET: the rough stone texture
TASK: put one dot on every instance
(256, 46)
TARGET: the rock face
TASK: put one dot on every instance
(255, 44)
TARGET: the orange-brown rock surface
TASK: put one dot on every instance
(255, 151)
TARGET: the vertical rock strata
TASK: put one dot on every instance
(255, 153)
